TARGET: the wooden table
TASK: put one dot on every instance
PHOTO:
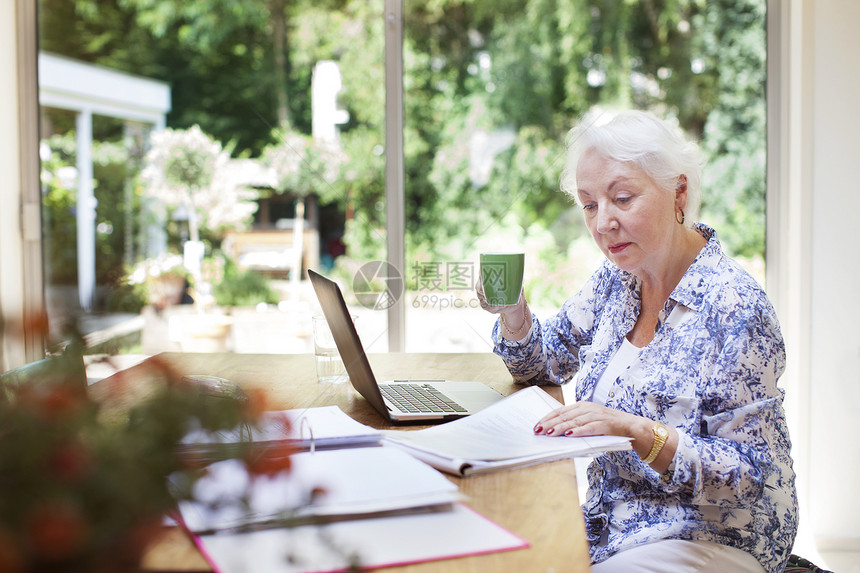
(538, 503)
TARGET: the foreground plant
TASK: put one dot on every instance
(84, 481)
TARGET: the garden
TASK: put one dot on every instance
(490, 91)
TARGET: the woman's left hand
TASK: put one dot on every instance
(590, 419)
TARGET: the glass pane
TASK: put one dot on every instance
(492, 88)
(272, 163)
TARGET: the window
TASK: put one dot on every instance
(490, 90)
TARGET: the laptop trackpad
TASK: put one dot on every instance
(473, 396)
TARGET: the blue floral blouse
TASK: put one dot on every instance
(711, 372)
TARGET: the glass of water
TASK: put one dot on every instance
(330, 368)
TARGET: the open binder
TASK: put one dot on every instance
(321, 428)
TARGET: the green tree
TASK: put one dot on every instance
(735, 129)
(535, 66)
(186, 168)
(521, 70)
(112, 161)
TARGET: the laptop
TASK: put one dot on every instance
(395, 400)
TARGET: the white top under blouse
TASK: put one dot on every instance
(623, 358)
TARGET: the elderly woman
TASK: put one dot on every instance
(674, 346)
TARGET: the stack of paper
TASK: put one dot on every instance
(319, 486)
(500, 436)
(302, 429)
(335, 510)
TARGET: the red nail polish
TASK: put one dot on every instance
(568, 433)
(538, 429)
(550, 431)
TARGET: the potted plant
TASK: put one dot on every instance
(84, 481)
(186, 170)
(164, 279)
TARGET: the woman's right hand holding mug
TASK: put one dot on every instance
(516, 319)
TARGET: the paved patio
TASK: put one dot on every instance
(447, 322)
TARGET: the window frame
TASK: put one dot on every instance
(33, 304)
(32, 299)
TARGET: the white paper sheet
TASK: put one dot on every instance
(344, 483)
(369, 543)
(498, 437)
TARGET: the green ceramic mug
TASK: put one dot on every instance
(502, 277)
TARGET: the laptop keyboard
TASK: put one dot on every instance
(416, 398)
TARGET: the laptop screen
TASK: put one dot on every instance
(348, 343)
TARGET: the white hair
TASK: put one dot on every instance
(656, 147)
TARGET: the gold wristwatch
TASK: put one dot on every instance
(661, 434)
